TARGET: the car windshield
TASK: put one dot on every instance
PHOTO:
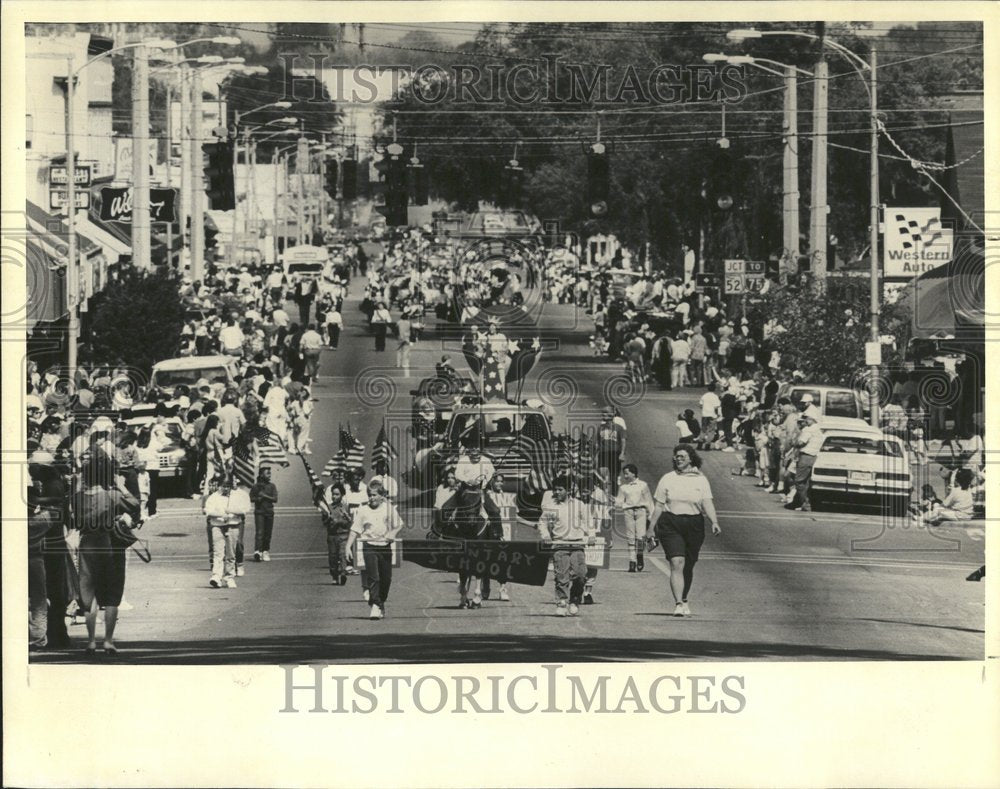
(796, 396)
(498, 428)
(862, 445)
(842, 404)
(304, 268)
(170, 378)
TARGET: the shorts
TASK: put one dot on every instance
(102, 570)
(681, 535)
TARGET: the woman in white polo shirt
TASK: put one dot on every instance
(683, 499)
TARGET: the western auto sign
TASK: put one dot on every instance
(116, 204)
(914, 242)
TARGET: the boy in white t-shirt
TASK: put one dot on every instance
(711, 408)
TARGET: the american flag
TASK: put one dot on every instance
(314, 481)
(539, 451)
(383, 450)
(335, 464)
(245, 459)
(352, 449)
(270, 448)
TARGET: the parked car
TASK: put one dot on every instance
(188, 370)
(832, 401)
(861, 465)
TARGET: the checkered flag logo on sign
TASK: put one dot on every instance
(917, 235)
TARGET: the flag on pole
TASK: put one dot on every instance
(540, 452)
(383, 450)
(270, 448)
(335, 464)
(352, 449)
(314, 481)
(245, 459)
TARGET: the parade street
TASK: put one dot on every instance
(776, 584)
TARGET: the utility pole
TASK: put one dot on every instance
(873, 219)
(170, 175)
(301, 168)
(183, 121)
(197, 182)
(275, 166)
(791, 167)
(72, 265)
(141, 235)
(236, 190)
(818, 212)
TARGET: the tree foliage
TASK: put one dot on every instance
(139, 320)
(661, 152)
(823, 333)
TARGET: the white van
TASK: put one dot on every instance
(304, 260)
(188, 370)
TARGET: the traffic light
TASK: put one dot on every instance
(720, 187)
(511, 181)
(331, 178)
(392, 168)
(418, 182)
(349, 186)
(219, 185)
(598, 176)
(210, 239)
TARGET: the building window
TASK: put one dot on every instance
(29, 132)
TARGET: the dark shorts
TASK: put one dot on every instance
(102, 570)
(681, 535)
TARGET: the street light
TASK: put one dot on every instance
(238, 116)
(871, 86)
(72, 273)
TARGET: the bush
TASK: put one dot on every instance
(138, 321)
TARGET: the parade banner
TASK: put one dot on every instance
(518, 562)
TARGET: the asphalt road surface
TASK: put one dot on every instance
(775, 584)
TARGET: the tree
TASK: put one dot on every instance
(823, 333)
(139, 320)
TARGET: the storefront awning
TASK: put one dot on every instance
(113, 245)
(950, 301)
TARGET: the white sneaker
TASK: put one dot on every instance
(561, 608)
(679, 609)
(366, 595)
(574, 609)
(215, 583)
(241, 571)
(266, 556)
(231, 583)
(376, 612)
(728, 449)
(256, 556)
(503, 594)
(685, 610)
